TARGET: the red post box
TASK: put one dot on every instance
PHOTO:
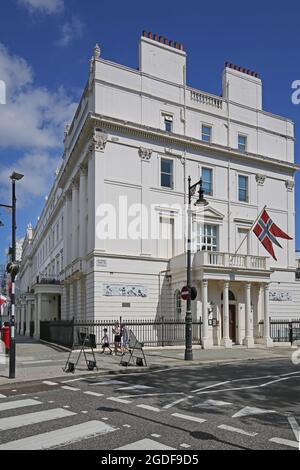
(6, 337)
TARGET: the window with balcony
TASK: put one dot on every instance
(206, 133)
(243, 188)
(166, 170)
(207, 237)
(207, 180)
(242, 143)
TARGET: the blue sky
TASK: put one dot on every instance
(45, 47)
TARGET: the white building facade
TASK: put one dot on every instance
(111, 239)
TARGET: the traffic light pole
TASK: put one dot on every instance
(12, 349)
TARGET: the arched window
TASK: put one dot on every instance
(231, 296)
(178, 307)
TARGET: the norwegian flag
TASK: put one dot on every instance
(267, 232)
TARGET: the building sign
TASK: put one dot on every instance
(277, 296)
(101, 263)
(124, 290)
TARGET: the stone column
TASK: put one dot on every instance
(75, 192)
(91, 202)
(226, 341)
(67, 230)
(28, 318)
(82, 212)
(206, 340)
(249, 339)
(38, 316)
(267, 339)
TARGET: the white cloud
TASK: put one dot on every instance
(32, 121)
(43, 6)
(38, 169)
(33, 117)
(71, 31)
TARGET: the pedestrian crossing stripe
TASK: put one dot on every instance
(28, 419)
(2, 396)
(60, 437)
(12, 405)
(145, 444)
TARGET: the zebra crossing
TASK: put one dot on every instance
(54, 438)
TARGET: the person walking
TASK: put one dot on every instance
(117, 340)
(105, 342)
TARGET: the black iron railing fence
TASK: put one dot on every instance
(285, 331)
(153, 333)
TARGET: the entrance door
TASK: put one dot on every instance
(232, 323)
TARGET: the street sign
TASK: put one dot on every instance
(185, 293)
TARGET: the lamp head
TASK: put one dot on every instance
(201, 200)
(16, 176)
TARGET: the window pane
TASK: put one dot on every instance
(166, 166)
(207, 181)
(166, 180)
(206, 133)
(243, 188)
(242, 142)
(168, 126)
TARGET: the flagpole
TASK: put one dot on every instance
(250, 230)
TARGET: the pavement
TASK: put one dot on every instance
(36, 360)
(236, 405)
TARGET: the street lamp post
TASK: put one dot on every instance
(13, 271)
(188, 319)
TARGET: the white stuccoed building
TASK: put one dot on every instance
(135, 139)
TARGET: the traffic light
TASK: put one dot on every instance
(13, 269)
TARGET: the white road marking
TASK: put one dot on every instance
(145, 444)
(126, 426)
(110, 382)
(28, 419)
(212, 403)
(51, 402)
(174, 403)
(84, 412)
(118, 400)
(151, 395)
(250, 411)
(66, 406)
(135, 387)
(60, 437)
(94, 394)
(285, 442)
(295, 427)
(290, 373)
(48, 382)
(185, 446)
(237, 430)
(250, 386)
(2, 396)
(148, 407)
(72, 389)
(189, 418)
(155, 435)
(70, 381)
(210, 386)
(12, 405)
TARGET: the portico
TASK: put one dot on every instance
(232, 301)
